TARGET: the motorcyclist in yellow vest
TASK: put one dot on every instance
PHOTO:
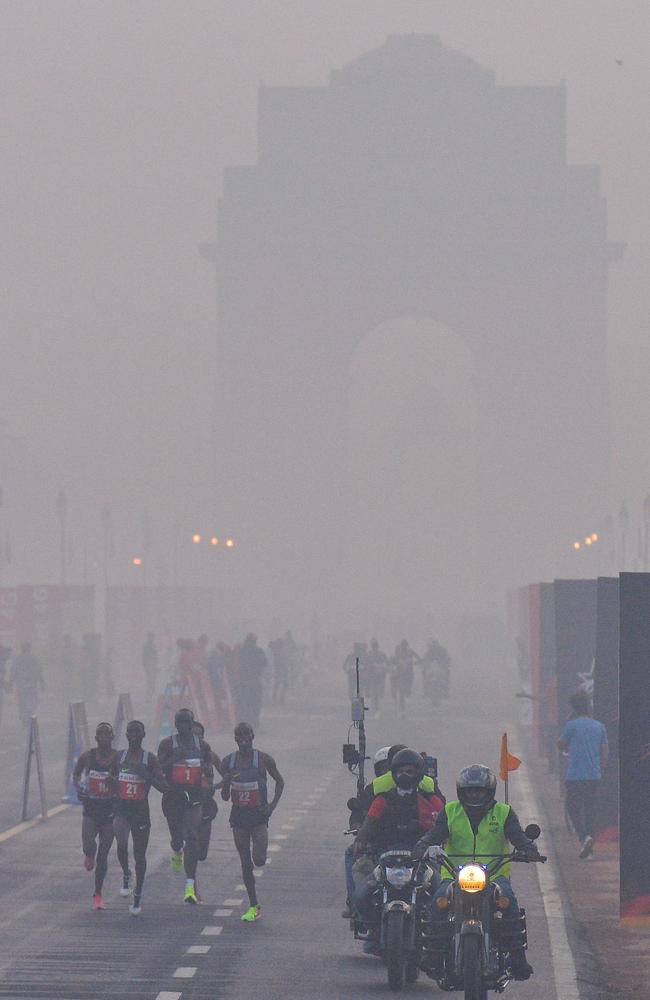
(477, 824)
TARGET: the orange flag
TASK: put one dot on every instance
(508, 760)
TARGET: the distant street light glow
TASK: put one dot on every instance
(576, 545)
(214, 540)
(230, 544)
(588, 540)
(196, 539)
(137, 561)
(594, 537)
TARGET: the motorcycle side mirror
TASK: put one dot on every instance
(532, 831)
(353, 804)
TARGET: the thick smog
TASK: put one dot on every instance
(324, 520)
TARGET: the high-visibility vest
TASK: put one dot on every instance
(490, 837)
(386, 783)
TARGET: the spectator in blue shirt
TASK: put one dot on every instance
(585, 741)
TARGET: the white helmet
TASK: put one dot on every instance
(380, 760)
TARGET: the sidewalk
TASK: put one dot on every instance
(621, 955)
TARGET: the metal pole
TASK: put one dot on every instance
(28, 769)
(39, 766)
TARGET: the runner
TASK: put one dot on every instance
(134, 772)
(184, 757)
(245, 784)
(92, 780)
(209, 807)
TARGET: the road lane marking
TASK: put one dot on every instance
(562, 960)
(222, 913)
(29, 824)
(211, 931)
(166, 995)
(287, 826)
(275, 847)
(240, 888)
(281, 836)
(198, 949)
(259, 871)
(185, 972)
(233, 902)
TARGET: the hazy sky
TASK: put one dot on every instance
(118, 118)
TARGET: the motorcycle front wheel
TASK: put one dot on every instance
(472, 976)
(395, 952)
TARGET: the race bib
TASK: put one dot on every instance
(187, 772)
(98, 787)
(246, 794)
(132, 788)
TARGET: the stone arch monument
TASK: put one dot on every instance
(411, 185)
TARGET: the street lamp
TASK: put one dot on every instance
(214, 540)
(196, 539)
(230, 543)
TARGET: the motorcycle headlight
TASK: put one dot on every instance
(472, 878)
(398, 876)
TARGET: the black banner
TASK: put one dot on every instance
(634, 745)
(605, 700)
(575, 642)
(548, 714)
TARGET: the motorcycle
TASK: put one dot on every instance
(470, 950)
(402, 898)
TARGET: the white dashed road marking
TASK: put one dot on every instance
(222, 913)
(199, 949)
(166, 995)
(185, 972)
(274, 847)
(240, 888)
(233, 902)
(281, 836)
(211, 931)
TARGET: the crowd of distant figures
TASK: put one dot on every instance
(376, 669)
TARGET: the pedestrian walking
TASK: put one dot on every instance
(584, 739)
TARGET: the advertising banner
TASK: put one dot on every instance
(634, 746)
(8, 613)
(548, 707)
(533, 647)
(605, 700)
(575, 641)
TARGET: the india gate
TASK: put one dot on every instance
(415, 201)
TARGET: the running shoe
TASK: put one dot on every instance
(126, 885)
(135, 909)
(98, 902)
(252, 913)
(177, 861)
(89, 862)
(190, 894)
(587, 847)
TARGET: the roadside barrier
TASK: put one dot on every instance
(123, 714)
(78, 741)
(33, 750)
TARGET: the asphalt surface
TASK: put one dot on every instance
(54, 946)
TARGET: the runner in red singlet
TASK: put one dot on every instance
(185, 758)
(134, 772)
(245, 784)
(92, 780)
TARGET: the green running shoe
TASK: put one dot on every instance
(177, 861)
(190, 894)
(252, 913)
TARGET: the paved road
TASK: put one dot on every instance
(55, 947)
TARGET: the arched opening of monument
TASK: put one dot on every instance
(412, 429)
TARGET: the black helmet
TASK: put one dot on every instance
(393, 749)
(476, 776)
(401, 759)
